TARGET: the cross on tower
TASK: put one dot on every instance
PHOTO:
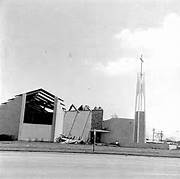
(141, 59)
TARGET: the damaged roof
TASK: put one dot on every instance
(41, 97)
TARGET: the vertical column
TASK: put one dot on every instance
(139, 128)
(60, 114)
(54, 119)
(23, 105)
(141, 138)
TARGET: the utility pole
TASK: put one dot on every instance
(153, 134)
(161, 135)
(94, 139)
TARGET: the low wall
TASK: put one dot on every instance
(145, 145)
(35, 132)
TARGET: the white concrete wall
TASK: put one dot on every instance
(87, 128)
(68, 121)
(121, 130)
(38, 132)
(79, 122)
(10, 117)
(22, 112)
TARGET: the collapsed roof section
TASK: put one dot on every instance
(42, 98)
(39, 107)
(83, 108)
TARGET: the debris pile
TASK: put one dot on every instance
(69, 140)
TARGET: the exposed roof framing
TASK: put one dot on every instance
(11, 99)
(44, 92)
(4, 103)
(40, 97)
(62, 104)
(41, 103)
(38, 108)
(37, 100)
(73, 107)
(44, 99)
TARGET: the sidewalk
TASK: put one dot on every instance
(76, 148)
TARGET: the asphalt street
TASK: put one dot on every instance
(32, 165)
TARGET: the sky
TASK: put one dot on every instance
(87, 52)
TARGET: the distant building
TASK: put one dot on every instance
(35, 116)
(120, 130)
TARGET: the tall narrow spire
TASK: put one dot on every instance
(141, 58)
(139, 131)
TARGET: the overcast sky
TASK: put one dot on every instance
(87, 51)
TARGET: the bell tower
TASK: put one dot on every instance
(139, 128)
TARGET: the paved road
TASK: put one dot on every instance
(30, 165)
